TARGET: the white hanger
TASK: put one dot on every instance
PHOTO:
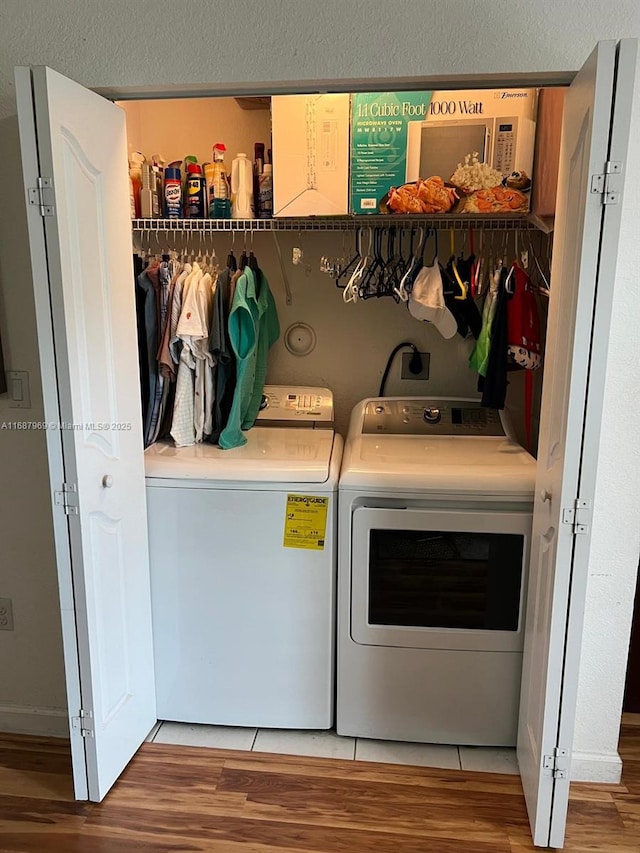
(350, 293)
(401, 290)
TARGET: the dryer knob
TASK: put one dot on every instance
(432, 415)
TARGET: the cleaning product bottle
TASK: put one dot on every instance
(172, 193)
(159, 162)
(265, 184)
(190, 158)
(218, 200)
(136, 159)
(209, 172)
(258, 168)
(194, 202)
(149, 201)
(242, 188)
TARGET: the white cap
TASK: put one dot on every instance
(426, 301)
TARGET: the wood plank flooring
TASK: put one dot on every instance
(177, 798)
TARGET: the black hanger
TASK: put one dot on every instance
(377, 264)
(253, 263)
(244, 260)
(232, 263)
(354, 260)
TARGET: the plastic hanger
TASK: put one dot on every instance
(461, 284)
(351, 291)
(403, 290)
(355, 259)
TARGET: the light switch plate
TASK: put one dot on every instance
(19, 393)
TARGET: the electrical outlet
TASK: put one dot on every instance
(406, 361)
(6, 615)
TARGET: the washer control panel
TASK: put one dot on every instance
(430, 416)
(304, 404)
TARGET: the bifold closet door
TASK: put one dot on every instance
(83, 278)
(595, 133)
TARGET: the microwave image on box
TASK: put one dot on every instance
(437, 147)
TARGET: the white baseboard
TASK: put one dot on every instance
(596, 767)
(31, 720)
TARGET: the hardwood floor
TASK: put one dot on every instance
(176, 798)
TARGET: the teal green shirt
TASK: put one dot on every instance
(268, 334)
(243, 336)
(253, 329)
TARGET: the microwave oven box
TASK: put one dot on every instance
(310, 150)
(406, 149)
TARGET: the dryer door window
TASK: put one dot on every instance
(439, 579)
(445, 579)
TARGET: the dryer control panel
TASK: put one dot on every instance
(303, 405)
(430, 416)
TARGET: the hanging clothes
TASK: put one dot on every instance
(204, 389)
(523, 337)
(223, 355)
(140, 298)
(253, 329)
(494, 385)
(166, 272)
(457, 296)
(243, 335)
(175, 344)
(268, 334)
(147, 282)
(479, 358)
(182, 426)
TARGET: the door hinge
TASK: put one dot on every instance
(578, 516)
(67, 498)
(83, 723)
(557, 764)
(609, 184)
(42, 196)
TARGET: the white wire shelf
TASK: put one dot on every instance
(459, 222)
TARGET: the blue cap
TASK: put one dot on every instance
(171, 174)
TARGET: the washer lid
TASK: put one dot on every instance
(444, 464)
(271, 454)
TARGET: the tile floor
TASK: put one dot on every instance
(330, 745)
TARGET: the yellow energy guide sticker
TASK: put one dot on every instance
(305, 523)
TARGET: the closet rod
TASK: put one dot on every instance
(458, 222)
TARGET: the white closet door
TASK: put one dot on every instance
(582, 282)
(81, 145)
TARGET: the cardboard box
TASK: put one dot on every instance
(404, 140)
(310, 143)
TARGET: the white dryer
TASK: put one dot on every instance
(434, 534)
(243, 566)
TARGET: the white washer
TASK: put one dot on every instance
(243, 625)
(434, 535)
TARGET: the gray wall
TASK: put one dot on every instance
(120, 45)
